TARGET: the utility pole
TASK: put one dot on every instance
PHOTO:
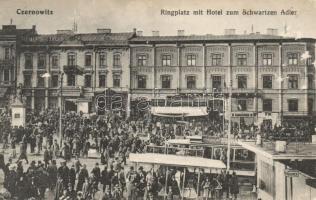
(229, 111)
(60, 109)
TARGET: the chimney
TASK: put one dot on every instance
(104, 30)
(66, 32)
(180, 32)
(134, 31)
(272, 31)
(8, 27)
(34, 27)
(155, 33)
(139, 33)
(230, 31)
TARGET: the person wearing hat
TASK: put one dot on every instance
(11, 180)
(72, 176)
(141, 182)
(23, 154)
(13, 146)
(56, 149)
(52, 174)
(47, 157)
(97, 174)
(131, 179)
(83, 174)
(63, 173)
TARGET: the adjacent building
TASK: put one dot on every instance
(9, 46)
(286, 174)
(72, 68)
(272, 77)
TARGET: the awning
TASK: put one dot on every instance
(179, 111)
(3, 91)
(79, 100)
(175, 160)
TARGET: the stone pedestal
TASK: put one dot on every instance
(18, 113)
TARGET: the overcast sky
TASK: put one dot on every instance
(124, 15)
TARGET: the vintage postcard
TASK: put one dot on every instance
(158, 99)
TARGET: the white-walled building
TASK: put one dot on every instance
(285, 175)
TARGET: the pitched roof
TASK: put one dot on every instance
(12, 30)
(112, 39)
(210, 37)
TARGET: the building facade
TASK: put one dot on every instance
(9, 46)
(85, 64)
(272, 77)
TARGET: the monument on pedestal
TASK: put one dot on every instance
(18, 110)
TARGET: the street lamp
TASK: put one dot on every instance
(48, 75)
(60, 107)
(281, 80)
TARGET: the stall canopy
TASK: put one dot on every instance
(174, 160)
(179, 111)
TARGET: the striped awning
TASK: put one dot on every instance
(179, 111)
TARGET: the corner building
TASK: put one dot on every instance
(102, 59)
(10, 37)
(272, 79)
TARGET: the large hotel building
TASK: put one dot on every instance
(270, 77)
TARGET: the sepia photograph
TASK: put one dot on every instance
(157, 100)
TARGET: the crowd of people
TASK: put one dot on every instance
(76, 182)
(113, 138)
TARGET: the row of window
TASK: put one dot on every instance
(267, 105)
(216, 59)
(142, 60)
(71, 80)
(218, 82)
(71, 60)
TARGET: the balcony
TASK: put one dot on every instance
(268, 69)
(6, 63)
(142, 69)
(73, 69)
(166, 69)
(71, 91)
(7, 83)
(243, 90)
(192, 90)
(191, 69)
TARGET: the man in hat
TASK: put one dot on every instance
(11, 180)
(97, 173)
(82, 176)
(141, 181)
(131, 182)
(47, 157)
(72, 176)
(63, 173)
(23, 154)
(52, 174)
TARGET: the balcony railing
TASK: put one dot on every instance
(6, 63)
(75, 69)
